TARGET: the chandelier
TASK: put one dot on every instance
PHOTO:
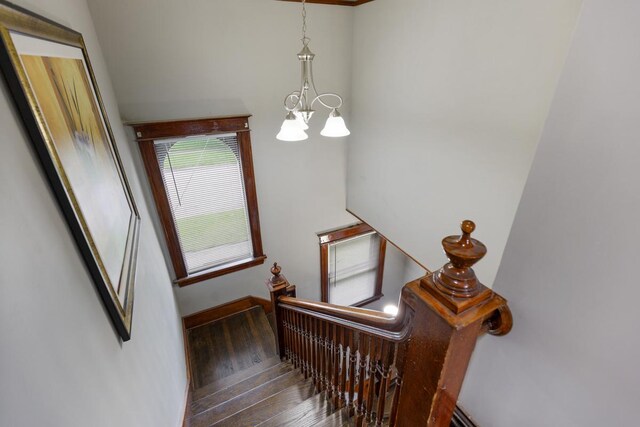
(299, 104)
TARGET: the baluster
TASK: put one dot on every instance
(353, 355)
(322, 339)
(328, 357)
(330, 360)
(309, 337)
(395, 382)
(285, 322)
(314, 350)
(344, 361)
(394, 403)
(320, 357)
(306, 321)
(336, 365)
(303, 345)
(362, 370)
(373, 364)
(385, 362)
(294, 323)
(289, 337)
(303, 352)
(294, 340)
(296, 337)
(303, 342)
(330, 366)
(318, 345)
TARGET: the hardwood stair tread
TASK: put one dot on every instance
(307, 414)
(268, 408)
(247, 400)
(225, 382)
(234, 390)
(337, 419)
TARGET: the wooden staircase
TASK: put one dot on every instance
(318, 364)
(268, 393)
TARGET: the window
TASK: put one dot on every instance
(352, 264)
(201, 176)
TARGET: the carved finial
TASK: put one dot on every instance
(276, 269)
(457, 278)
(277, 278)
(467, 228)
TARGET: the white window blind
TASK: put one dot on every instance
(204, 183)
(353, 268)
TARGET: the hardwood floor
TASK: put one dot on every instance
(229, 345)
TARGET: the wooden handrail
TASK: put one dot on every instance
(392, 328)
(416, 360)
(378, 323)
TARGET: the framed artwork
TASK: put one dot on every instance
(48, 72)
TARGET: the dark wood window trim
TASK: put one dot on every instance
(343, 233)
(146, 133)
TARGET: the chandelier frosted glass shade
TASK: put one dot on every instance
(300, 103)
(301, 121)
(291, 130)
(335, 126)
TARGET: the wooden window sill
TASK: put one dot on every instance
(219, 271)
(368, 300)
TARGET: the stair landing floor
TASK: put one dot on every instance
(238, 379)
(230, 345)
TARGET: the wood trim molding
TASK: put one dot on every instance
(335, 2)
(187, 356)
(224, 310)
(428, 270)
(186, 414)
(324, 273)
(161, 198)
(149, 131)
(246, 157)
(344, 232)
(219, 271)
(380, 273)
(368, 300)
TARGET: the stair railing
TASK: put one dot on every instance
(402, 370)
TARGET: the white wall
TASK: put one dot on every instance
(61, 362)
(568, 269)
(172, 59)
(449, 98)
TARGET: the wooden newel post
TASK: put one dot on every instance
(451, 308)
(279, 286)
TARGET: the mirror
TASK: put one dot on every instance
(361, 268)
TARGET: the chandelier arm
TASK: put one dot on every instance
(293, 96)
(320, 95)
(330, 107)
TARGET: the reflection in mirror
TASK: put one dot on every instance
(354, 269)
(399, 269)
(360, 269)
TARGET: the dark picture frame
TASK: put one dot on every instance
(46, 68)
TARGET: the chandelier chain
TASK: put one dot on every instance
(305, 39)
